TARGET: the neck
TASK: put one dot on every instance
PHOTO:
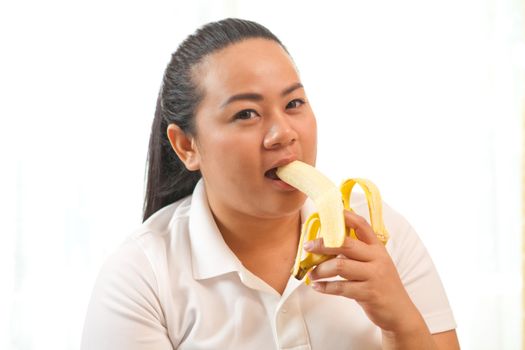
(246, 234)
(265, 246)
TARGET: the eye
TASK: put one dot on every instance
(295, 103)
(246, 114)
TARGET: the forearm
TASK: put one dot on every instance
(416, 337)
(413, 335)
(417, 340)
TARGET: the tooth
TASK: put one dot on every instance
(328, 223)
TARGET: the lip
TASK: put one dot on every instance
(278, 183)
(282, 161)
(282, 186)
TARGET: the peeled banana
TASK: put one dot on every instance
(330, 201)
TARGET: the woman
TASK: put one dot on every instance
(210, 266)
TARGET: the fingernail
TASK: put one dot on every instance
(308, 245)
(316, 286)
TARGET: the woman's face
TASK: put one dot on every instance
(254, 116)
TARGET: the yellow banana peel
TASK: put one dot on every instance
(328, 221)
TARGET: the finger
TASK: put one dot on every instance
(351, 248)
(353, 290)
(362, 228)
(348, 269)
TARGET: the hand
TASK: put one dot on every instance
(370, 278)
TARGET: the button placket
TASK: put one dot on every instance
(290, 326)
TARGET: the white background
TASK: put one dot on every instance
(423, 97)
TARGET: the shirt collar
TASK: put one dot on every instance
(211, 256)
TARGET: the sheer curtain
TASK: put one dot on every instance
(423, 97)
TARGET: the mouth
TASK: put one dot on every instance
(272, 174)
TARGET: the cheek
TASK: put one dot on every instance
(313, 131)
(226, 154)
(309, 137)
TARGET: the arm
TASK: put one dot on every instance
(371, 278)
(446, 340)
(124, 311)
(419, 340)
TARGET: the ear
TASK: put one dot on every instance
(184, 145)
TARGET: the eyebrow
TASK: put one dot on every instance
(258, 97)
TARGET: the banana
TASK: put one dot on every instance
(328, 222)
(375, 207)
(323, 193)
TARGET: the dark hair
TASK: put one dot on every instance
(167, 179)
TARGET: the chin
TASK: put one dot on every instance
(285, 206)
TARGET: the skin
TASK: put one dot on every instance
(242, 139)
(371, 279)
(267, 123)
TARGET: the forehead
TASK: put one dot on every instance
(252, 65)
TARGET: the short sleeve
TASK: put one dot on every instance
(124, 311)
(418, 273)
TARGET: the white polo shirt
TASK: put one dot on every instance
(175, 284)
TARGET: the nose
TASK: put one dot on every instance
(280, 133)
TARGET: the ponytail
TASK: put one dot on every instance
(167, 179)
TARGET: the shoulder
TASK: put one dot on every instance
(136, 265)
(398, 227)
(130, 290)
(126, 309)
(160, 223)
(415, 267)
(405, 247)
